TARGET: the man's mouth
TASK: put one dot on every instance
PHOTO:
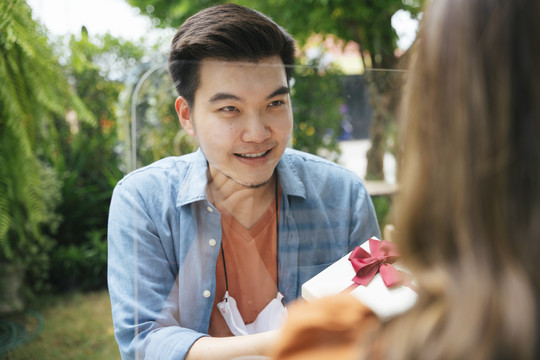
(253, 155)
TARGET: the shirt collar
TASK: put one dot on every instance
(288, 176)
(193, 185)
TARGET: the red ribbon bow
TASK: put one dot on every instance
(366, 265)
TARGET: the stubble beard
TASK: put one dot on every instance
(247, 186)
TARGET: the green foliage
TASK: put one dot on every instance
(81, 266)
(88, 165)
(367, 22)
(89, 172)
(31, 213)
(34, 94)
(161, 134)
(316, 99)
(106, 55)
(170, 12)
(158, 131)
(58, 164)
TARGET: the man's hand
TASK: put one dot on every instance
(221, 348)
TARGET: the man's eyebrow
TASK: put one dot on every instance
(224, 96)
(283, 90)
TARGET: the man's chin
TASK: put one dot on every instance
(252, 184)
(244, 181)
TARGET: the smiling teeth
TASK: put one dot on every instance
(253, 155)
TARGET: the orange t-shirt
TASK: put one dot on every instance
(251, 261)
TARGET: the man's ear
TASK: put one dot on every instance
(184, 115)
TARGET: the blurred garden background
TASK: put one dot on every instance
(80, 109)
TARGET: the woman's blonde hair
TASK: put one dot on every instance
(468, 215)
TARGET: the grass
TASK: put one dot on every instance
(76, 326)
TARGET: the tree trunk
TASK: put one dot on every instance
(380, 93)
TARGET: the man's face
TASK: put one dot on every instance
(241, 118)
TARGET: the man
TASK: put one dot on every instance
(213, 242)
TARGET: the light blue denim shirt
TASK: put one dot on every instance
(164, 239)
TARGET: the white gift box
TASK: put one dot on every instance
(384, 302)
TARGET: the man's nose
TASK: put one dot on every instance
(255, 130)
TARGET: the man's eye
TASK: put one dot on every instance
(228, 109)
(276, 103)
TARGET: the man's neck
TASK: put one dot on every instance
(244, 203)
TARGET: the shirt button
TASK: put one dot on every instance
(206, 293)
(210, 209)
(212, 242)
